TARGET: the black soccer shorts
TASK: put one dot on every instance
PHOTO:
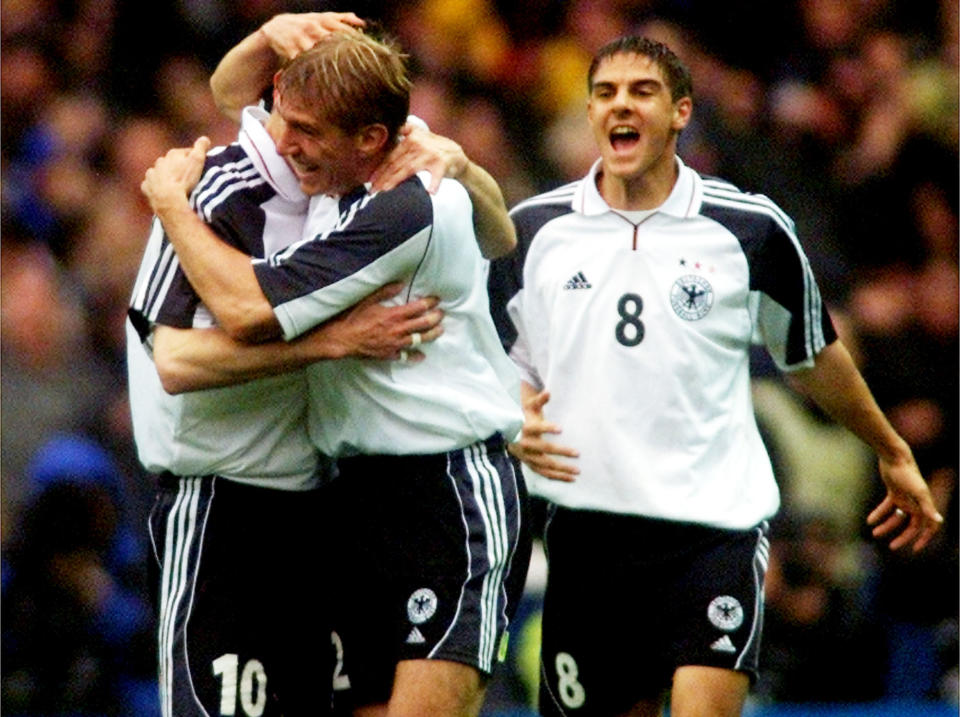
(630, 599)
(240, 588)
(427, 545)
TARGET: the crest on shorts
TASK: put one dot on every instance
(421, 606)
(691, 297)
(725, 613)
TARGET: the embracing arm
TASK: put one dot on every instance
(421, 149)
(836, 385)
(221, 275)
(495, 231)
(194, 359)
(248, 68)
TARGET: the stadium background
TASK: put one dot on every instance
(842, 111)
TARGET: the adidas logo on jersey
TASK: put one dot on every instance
(415, 637)
(724, 644)
(578, 281)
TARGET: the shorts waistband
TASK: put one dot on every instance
(166, 479)
(496, 442)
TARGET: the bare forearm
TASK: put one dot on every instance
(495, 231)
(836, 385)
(192, 359)
(243, 73)
(195, 359)
(907, 514)
(247, 69)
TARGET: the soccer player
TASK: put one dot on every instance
(242, 624)
(239, 472)
(425, 442)
(630, 307)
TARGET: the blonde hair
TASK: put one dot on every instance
(352, 80)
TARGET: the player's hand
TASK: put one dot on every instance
(172, 177)
(420, 149)
(907, 512)
(371, 330)
(289, 34)
(538, 453)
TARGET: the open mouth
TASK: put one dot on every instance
(623, 138)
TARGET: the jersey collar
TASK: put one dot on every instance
(259, 146)
(684, 199)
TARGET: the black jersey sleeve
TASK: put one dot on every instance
(229, 198)
(379, 238)
(506, 273)
(780, 272)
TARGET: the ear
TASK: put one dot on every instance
(371, 139)
(682, 109)
(276, 94)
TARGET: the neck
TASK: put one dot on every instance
(367, 168)
(364, 171)
(647, 190)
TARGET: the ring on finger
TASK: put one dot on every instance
(899, 513)
(415, 339)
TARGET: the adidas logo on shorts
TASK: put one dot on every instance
(724, 644)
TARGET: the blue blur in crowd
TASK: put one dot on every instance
(77, 627)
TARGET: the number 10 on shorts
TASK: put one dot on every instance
(252, 686)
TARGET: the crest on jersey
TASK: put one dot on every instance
(725, 613)
(421, 606)
(691, 297)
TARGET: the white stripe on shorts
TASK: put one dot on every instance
(183, 538)
(487, 495)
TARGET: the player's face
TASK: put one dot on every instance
(634, 120)
(321, 155)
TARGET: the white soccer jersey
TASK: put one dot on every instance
(255, 432)
(465, 390)
(641, 333)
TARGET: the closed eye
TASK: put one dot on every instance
(645, 88)
(603, 91)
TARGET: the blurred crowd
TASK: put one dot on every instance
(844, 112)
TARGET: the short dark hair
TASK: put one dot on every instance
(675, 73)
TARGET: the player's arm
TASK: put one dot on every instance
(420, 150)
(836, 385)
(222, 275)
(543, 456)
(193, 359)
(248, 68)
